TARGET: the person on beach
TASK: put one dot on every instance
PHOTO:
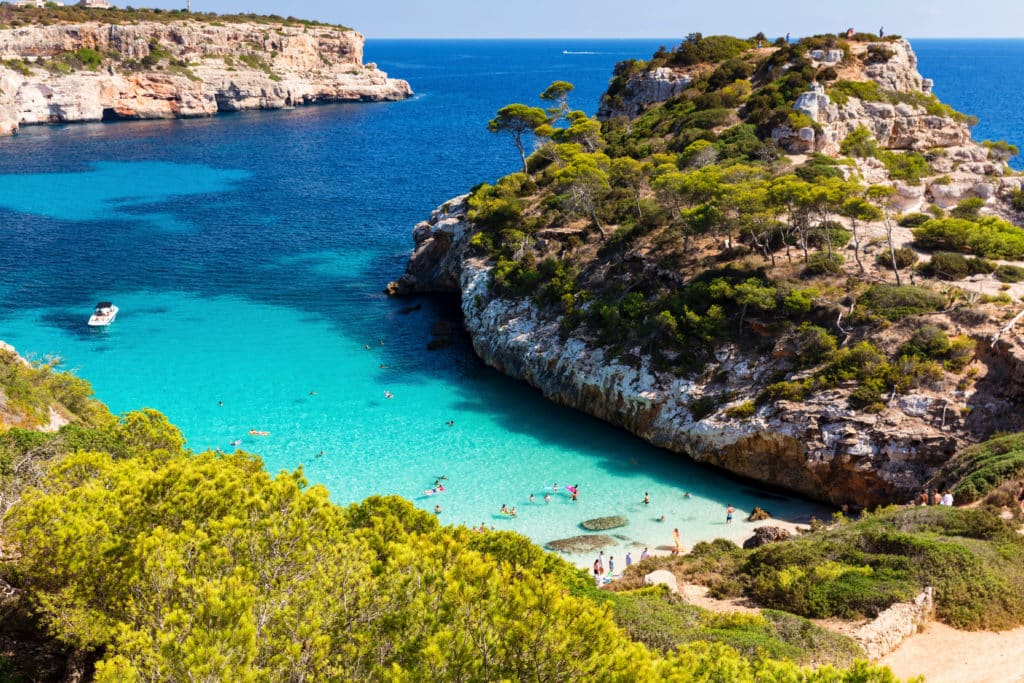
(1020, 496)
(644, 555)
(662, 518)
(728, 514)
(629, 558)
(947, 499)
(611, 566)
(686, 495)
(597, 570)
(936, 497)
(677, 546)
(647, 498)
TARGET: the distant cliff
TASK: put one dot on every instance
(95, 71)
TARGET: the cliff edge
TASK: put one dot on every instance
(99, 71)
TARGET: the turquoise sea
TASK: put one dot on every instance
(248, 252)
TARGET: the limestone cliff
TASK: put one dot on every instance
(728, 411)
(818, 447)
(97, 71)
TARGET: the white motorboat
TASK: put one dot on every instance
(103, 315)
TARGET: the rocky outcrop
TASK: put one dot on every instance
(892, 626)
(644, 89)
(764, 535)
(177, 69)
(436, 261)
(662, 577)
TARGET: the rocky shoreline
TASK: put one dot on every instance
(179, 69)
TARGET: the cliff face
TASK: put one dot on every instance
(153, 70)
(818, 447)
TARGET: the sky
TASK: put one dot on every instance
(638, 19)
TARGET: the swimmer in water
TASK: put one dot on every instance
(220, 404)
(312, 393)
(450, 423)
(547, 497)
(531, 497)
(382, 366)
(320, 454)
(686, 495)
(512, 512)
(236, 442)
(388, 394)
(504, 509)
(366, 346)
(647, 498)
(437, 509)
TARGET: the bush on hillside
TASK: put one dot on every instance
(895, 302)
(976, 470)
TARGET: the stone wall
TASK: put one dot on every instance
(894, 625)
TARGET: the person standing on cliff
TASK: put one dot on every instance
(881, 32)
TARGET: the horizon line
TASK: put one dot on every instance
(677, 38)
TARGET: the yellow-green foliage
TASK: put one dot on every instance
(179, 566)
(28, 392)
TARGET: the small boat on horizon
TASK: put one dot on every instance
(104, 314)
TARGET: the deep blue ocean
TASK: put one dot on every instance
(248, 252)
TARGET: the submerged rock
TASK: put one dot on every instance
(764, 535)
(603, 523)
(581, 544)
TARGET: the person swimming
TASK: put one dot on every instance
(236, 442)
(437, 509)
(504, 509)
(512, 512)
(450, 423)
(547, 497)
(388, 394)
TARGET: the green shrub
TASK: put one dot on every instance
(989, 237)
(703, 406)
(907, 166)
(928, 341)
(1008, 273)
(967, 208)
(1017, 200)
(905, 257)
(696, 49)
(913, 220)
(741, 411)
(895, 302)
(859, 143)
(976, 470)
(822, 263)
(946, 266)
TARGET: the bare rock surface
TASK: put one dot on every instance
(204, 68)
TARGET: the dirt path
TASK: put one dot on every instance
(944, 655)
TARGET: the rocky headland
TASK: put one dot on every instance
(195, 65)
(612, 323)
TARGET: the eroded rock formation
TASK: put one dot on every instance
(184, 68)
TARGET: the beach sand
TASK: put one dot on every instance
(945, 655)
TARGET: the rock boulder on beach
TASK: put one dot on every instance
(765, 535)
